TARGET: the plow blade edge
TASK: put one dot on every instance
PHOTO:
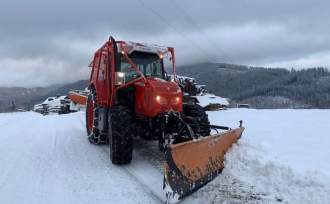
(190, 165)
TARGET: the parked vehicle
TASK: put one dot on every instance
(56, 104)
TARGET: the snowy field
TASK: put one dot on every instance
(283, 157)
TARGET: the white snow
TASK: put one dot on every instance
(47, 159)
(296, 138)
(208, 99)
(282, 157)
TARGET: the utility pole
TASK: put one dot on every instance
(13, 106)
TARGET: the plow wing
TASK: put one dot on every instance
(78, 97)
(190, 165)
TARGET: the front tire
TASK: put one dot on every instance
(196, 117)
(120, 133)
(93, 133)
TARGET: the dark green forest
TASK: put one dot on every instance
(260, 87)
(264, 87)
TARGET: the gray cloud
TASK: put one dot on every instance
(46, 42)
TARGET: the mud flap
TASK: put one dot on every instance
(190, 165)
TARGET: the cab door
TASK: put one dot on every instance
(103, 79)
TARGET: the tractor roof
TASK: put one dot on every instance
(142, 47)
(129, 47)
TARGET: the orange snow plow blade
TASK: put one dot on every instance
(190, 165)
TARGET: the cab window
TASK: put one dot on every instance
(148, 63)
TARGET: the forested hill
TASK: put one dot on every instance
(264, 87)
(259, 87)
(25, 98)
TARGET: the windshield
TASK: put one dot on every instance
(148, 63)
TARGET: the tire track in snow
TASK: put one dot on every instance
(131, 171)
(134, 171)
(147, 161)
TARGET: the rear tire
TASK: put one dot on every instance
(197, 118)
(120, 133)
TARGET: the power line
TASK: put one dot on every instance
(164, 20)
(189, 19)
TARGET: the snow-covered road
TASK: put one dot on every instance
(283, 157)
(47, 159)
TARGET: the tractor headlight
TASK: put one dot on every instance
(161, 100)
(120, 78)
(175, 100)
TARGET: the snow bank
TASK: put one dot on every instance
(282, 158)
(208, 99)
(296, 138)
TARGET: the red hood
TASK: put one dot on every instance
(162, 85)
(158, 96)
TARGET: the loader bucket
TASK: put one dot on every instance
(190, 165)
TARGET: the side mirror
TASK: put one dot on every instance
(136, 75)
(167, 77)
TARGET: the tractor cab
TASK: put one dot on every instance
(150, 61)
(143, 68)
(149, 64)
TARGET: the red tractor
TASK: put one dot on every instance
(132, 95)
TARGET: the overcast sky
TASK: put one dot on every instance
(49, 42)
